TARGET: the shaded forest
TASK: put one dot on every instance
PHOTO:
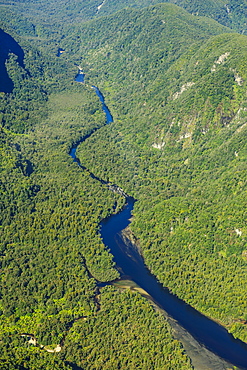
(175, 83)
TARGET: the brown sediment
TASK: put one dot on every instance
(201, 358)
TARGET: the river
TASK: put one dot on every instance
(8, 45)
(207, 333)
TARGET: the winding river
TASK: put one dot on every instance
(130, 263)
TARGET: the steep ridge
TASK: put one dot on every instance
(176, 84)
(231, 14)
(51, 252)
(179, 142)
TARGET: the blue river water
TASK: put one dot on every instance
(109, 118)
(8, 45)
(131, 264)
(80, 77)
(207, 332)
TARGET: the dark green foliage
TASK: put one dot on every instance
(176, 85)
(122, 320)
(61, 13)
(179, 147)
(49, 222)
(16, 354)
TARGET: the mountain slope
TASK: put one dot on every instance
(178, 146)
(51, 252)
(176, 85)
(61, 13)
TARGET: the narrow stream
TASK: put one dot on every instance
(208, 333)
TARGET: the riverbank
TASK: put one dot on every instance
(201, 358)
(130, 263)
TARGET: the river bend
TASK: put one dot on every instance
(207, 332)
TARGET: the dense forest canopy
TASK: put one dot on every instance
(175, 82)
(179, 141)
(231, 14)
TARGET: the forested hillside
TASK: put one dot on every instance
(231, 14)
(61, 15)
(179, 147)
(176, 86)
